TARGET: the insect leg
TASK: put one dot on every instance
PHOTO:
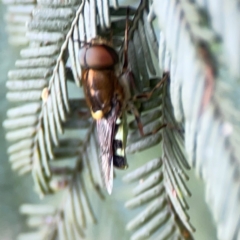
(145, 96)
(148, 95)
(136, 114)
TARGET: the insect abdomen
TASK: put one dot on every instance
(119, 143)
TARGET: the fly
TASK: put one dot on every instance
(106, 99)
(108, 96)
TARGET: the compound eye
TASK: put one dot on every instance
(97, 115)
(98, 56)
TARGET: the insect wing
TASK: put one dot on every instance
(105, 130)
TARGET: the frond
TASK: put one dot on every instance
(18, 12)
(41, 122)
(68, 221)
(35, 127)
(202, 62)
(50, 132)
(161, 187)
(195, 110)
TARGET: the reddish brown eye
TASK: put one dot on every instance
(98, 57)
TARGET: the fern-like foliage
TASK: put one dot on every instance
(201, 55)
(52, 135)
(161, 180)
(17, 14)
(40, 81)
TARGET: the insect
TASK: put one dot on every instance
(106, 98)
(107, 93)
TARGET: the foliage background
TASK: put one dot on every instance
(17, 190)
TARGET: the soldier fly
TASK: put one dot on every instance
(106, 99)
(107, 93)
(106, 86)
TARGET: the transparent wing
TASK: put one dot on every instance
(105, 132)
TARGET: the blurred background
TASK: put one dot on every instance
(15, 190)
